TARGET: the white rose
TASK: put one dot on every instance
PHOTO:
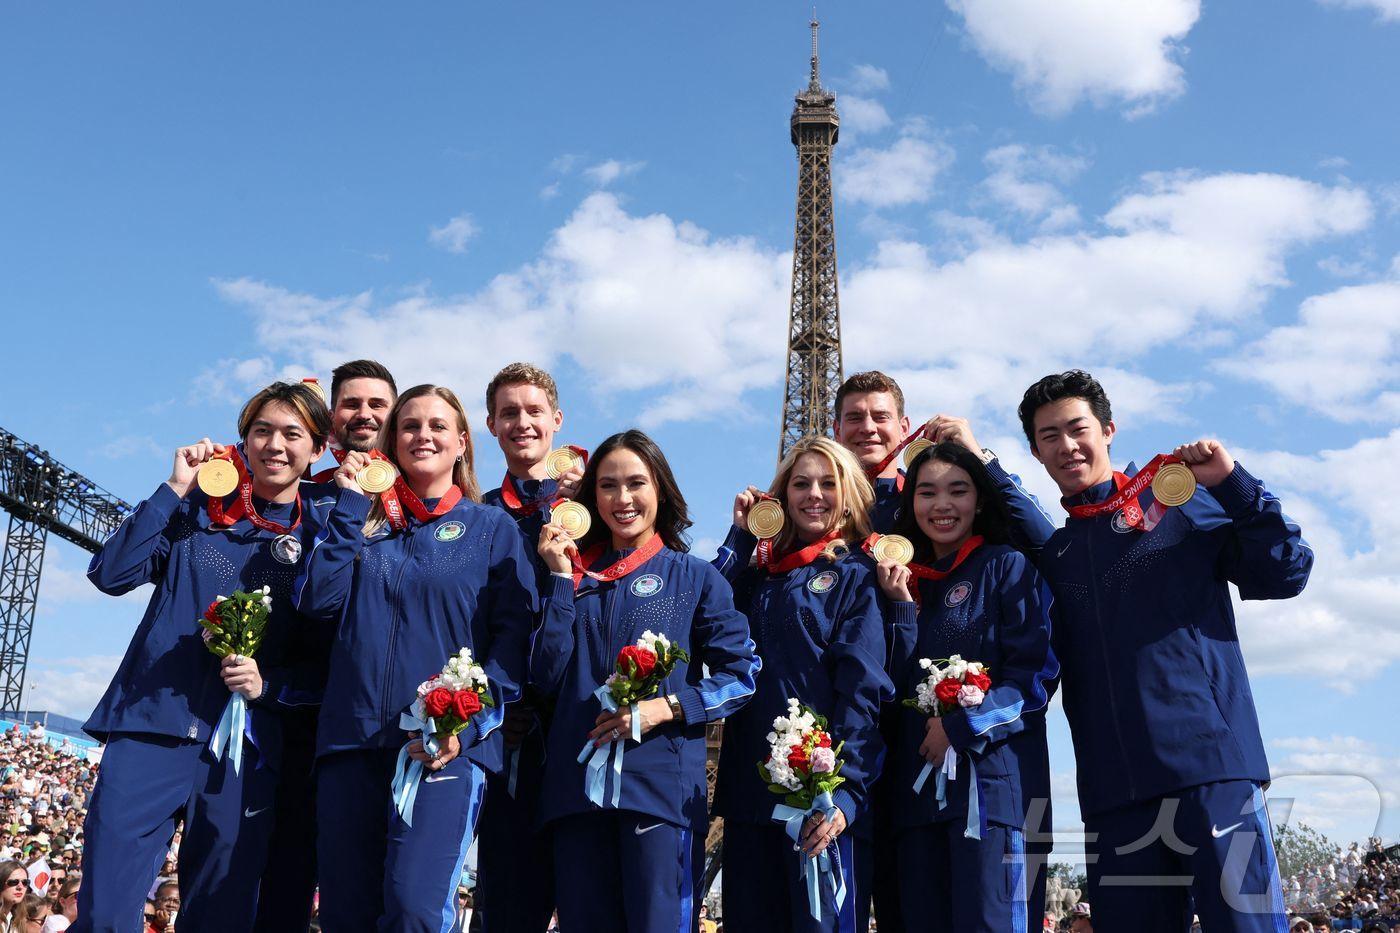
(969, 696)
(823, 760)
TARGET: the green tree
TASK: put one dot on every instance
(1066, 873)
(1299, 847)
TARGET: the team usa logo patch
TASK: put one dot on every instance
(648, 584)
(822, 581)
(957, 595)
(449, 531)
(1120, 523)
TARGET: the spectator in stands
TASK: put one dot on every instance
(65, 909)
(16, 886)
(1081, 918)
(30, 915)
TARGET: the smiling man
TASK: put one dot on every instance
(1171, 765)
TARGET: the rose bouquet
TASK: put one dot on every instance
(234, 625)
(950, 684)
(805, 768)
(444, 706)
(640, 670)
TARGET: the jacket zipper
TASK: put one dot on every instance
(394, 628)
(1107, 664)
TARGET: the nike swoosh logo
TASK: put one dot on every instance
(1217, 833)
(640, 831)
(1061, 551)
(250, 812)
(433, 779)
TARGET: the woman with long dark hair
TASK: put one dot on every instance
(968, 595)
(628, 814)
(814, 609)
(411, 578)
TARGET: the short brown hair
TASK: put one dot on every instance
(360, 369)
(521, 374)
(871, 381)
(300, 398)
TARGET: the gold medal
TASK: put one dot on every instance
(893, 547)
(311, 382)
(377, 476)
(1174, 484)
(914, 449)
(217, 478)
(766, 518)
(572, 517)
(560, 461)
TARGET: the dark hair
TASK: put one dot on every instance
(992, 522)
(871, 381)
(672, 517)
(300, 398)
(1075, 383)
(359, 369)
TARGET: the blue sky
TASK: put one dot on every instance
(1198, 203)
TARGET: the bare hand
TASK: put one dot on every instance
(187, 463)
(819, 832)
(241, 675)
(935, 744)
(570, 481)
(518, 722)
(350, 467)
(448, 748)
(894, 580)
(609, 727)
(952, 428)
(743, 502)
(1209, 461)
(557, 549)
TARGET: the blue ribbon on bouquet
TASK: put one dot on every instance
(229, 732)
(408, 772)
(824, 867)
(949, 772)
(596, 778)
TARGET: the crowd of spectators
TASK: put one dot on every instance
(1358, 889)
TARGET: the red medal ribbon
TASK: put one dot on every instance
(1126, 496)
(618, 570)
(872, 473)
(799, 558)
(243, 506)
(415, 504)
(925, 572)
(520, 509)
(328, 474)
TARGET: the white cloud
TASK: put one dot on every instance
(868, 79)
(454, 235)
(1182, 255)
(1341, 785)
(70, 686)
(1027, 179)
(1104, 50)
(607, 172)
(713, 311)
(1341, 358)
(903, 173)
(1385, 10)
(863, 115)
(549, 191)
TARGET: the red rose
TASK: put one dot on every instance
(642, 662)
(466, 704)
(437, 701)
(824, 741)
(947, 691)
(980, 681)
(797, 759)
(211, 615)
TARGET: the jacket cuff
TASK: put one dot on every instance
(1237, 493)
(353, 505)
(691, 704)
(742, 538)
(905, 612)
(958, 731)
(845, 802)
(561, 587)
(164, 501)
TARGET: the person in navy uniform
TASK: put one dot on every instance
(963, 861)
(407, 588)
(1171, 765)
(362, 393)
(814, 611)
(169, 692)
(628, 856)
(515, 867)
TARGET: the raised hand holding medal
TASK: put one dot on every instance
(1211, 464)
(185, 470)
(347, 475)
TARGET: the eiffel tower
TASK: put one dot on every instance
(814, 321)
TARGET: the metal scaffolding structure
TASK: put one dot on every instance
(41, 496)
(814, 321)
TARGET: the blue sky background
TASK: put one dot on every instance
(1198, 203)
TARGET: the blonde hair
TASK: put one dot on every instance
(854, 495)
(463, 471)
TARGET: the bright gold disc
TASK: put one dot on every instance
(765, 518)
(573, 518)
(1174, 484)
(217, 478)
(893, 547)
(560, 461)
(315, 386)
(377, 476)
(915, 448)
